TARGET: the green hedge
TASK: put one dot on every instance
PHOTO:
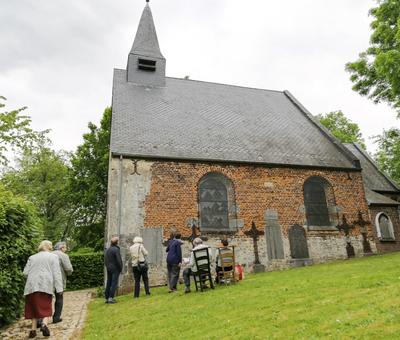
(19, 236)
(88, 271)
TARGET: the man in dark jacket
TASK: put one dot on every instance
(174, 261)
(114, 269)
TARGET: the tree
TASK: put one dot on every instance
(388, 154)
(88, 184)
(16, 133)
(342, 128)
(41, 176)
(376, 73)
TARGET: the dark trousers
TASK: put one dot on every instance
(173, 275)
(186, 276)
(112, 282)
(219, 269)
(137, 274)
(58, 306)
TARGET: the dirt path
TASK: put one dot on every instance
(73, 315)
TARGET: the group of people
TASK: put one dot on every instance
(114, 267)
(46, 274)
(140, 267)
(175, 261)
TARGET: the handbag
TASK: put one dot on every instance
(142, 265)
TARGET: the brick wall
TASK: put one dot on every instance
(162, 194)
(173, 197)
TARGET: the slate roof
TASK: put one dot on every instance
(194, 120)
(374, 179)
(373, 198)
(146, 41)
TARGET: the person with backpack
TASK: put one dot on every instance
(139, 265)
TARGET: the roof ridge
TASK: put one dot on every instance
(232, 85)
(370, 160)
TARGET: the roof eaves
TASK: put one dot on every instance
(208, 160)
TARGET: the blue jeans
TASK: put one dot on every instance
(112, 282)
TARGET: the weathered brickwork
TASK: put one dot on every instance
(393, 213)
(160, 194)
(173, 197)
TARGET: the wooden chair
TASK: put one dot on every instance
(203, 274)
(226, 256)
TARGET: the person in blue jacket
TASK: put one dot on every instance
(174, 261)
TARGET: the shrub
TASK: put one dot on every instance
(18, 240)
(88, 270)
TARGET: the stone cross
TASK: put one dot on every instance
(364, 232)
(346, 227)
(254, 233)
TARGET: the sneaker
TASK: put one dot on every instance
(111, 300)
(187, 290)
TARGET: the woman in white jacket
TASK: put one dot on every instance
(43, 275)
(139, 265)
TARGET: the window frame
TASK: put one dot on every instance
(230, 208)
(332, 215)
(378, 228)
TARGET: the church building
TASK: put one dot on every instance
(222, 161)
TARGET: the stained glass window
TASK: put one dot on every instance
(315, 202)
(213, 199)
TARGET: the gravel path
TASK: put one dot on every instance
(73, 315)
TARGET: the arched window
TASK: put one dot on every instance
(384, 227)
(216, 202)
(318, 198)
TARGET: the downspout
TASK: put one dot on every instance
(120, 196)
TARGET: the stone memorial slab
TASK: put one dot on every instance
(298, 242)
(273, 235)
(152, 240)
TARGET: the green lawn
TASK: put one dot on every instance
(351, 299)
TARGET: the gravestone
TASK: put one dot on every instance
(346, 228)
(152, 240)
(273, 235)
(298, 242)
(254, 233)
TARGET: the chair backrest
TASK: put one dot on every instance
(226, 256)
(202, 259)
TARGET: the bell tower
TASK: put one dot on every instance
(146, 64)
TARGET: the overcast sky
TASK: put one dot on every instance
(57, 57)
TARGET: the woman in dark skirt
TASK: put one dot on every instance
(43, 275)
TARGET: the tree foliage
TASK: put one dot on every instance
(41, 176)
(342, 128)
(88, 184)
(16, 132)
(376, 73)
(388, 155)
(19, 225)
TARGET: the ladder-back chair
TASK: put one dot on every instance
(203, 273)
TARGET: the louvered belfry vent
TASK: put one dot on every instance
(146, 64)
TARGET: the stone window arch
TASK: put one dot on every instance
(216, 203)
(384, 227)
(319, 203)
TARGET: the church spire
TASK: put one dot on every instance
(146, 64)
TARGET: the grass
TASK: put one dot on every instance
(351, 299)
